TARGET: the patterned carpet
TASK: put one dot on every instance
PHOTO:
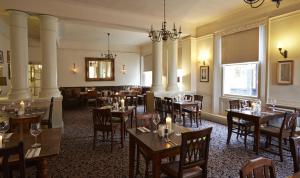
(78, 160)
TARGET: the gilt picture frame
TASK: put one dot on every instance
(204, 73)
(285, 72)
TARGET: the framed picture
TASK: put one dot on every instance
(1, 56)
(285, 70)
(204, 74)
(8, 56)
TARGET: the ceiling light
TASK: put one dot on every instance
(257, 3)
(164, 34)
(108, 55)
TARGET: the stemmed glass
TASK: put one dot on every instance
(274, 104)
(35, 130)
(156, 121)
(178, 121)
(4, 127)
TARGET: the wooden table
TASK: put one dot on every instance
(154, 146)
(124, 114)
(50, 146)
(179, 105)
(295, 175)
(257, 118)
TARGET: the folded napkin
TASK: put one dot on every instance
(143, 129)
(267, 113)
(33, 152)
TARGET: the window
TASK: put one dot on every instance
(240, 79)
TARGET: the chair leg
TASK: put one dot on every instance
(94, 141)
(238, 132)
(191, 119)
(112, 140)
(245, 137)
(280, 149)
(137, 161)
(196, 118)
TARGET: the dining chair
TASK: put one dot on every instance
(193, 156)
(6, 153)
(48, 122)
(295, 151)
(169, 108)
(188, 97)
(286, 131)
(143, 120)
(159, 107)
(258, 168)
(92, 97)
(243, 127)
(102, 121)
(193, 113)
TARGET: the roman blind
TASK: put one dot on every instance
(148, 63)
(240, 47)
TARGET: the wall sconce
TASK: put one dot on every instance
(285, 52)
(123, 70)
(74, 69)
(203, 57)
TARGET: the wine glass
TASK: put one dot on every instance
(178, 121)
(35, 130)
(4, 127)
(274, 104)
(156, 120)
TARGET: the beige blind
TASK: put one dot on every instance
(148, 63)
(240, 47)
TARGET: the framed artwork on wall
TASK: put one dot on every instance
(204, 74)
(285, 72)
(1, 56)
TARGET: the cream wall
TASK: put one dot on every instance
(285, 28)
(205, 45)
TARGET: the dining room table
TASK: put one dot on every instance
(179, 105)
(154, 146)
(256, 117)
(50, 147)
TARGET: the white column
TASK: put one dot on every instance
(19, 55)
(157, 67)
(172, 66)
(48, 32)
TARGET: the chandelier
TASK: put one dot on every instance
(108, 55)
(164, 34)
(257, 3)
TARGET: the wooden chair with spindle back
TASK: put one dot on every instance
(48, 122)
(92, 97)
(286, 131)
(243, 127)
(193, 112)
(169, 108)
(295, 150)
(6, 153)
(258, 168)
(188, 97)
(102, 121)
(193, 155)
(159, 107)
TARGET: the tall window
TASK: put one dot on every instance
(240, 79)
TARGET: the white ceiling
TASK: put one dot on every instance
(127, 20)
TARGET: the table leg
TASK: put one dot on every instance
(156, 163)
(123, 125)
(229, 127)
(256, 137)
(131, 155)
(42, 169)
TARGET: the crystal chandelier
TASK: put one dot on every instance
(164, 34)
(108, 55)
(257, 3)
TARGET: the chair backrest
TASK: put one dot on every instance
(188, 97)
(234, 104)
(158, 104)
(144, 120)
(289, 122)
(131, 101)
(92, 94)
(194, 149)
(168, 102)
(5, 153)
(295, 150)
(50, 113)
(199, 99)
(102, 119)
(258, 168)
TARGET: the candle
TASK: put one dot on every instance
(169, 123)
(22, 104)
(122, 103)
(1, 141)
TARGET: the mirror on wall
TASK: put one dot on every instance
(99, 69)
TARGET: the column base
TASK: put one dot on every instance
(49, 92)
(172, 87)
(16, 94)
(157, 88)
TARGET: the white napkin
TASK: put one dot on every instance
(8, 135)
(143, 129)
(33, 152)
(146, 129)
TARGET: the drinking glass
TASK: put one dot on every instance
(4, 127)
(156, 121)
(178, 121)
(274, 104)
(35, 130)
